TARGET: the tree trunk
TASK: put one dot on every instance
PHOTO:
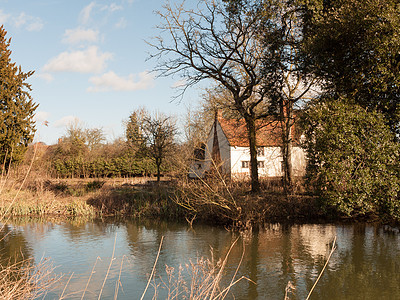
(251, 129)
(158, 164)
(286, 117)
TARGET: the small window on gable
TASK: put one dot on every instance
(260, 164)
(260, 151)
(245, 164)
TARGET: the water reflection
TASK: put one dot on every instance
(365, 265)
(13, 245)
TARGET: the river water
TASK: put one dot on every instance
(365, 264)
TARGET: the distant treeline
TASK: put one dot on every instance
(124, 166)
(66, 160)
(84, 153)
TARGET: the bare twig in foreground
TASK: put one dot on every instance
(154, 268)
(323, 269)
(26, 280)
(109, 267)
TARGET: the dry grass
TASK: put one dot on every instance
(26, 203)
(198, 280)
(26, 280)
(215, 199)
(20, 279)
(37, 196)
(136, 200)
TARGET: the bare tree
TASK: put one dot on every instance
(94, 137)
(78, 134)
(288, 84)
(206, 43)
(281, 25)
(159, 132)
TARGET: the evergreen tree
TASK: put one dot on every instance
(353, 160)
(17, 126)
(354, 46)
(133, 131)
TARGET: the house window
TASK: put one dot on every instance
(260, 151)
(245, 164)
(260, 164)
(198, 166)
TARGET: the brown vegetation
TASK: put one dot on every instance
(29, 191)
(26, 280)
(212, 200)
(38, 197)
(229, 202)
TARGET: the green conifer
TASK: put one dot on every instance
(17, 108)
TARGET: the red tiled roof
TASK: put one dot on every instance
(268, 132)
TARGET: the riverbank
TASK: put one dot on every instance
(143, 197)
(217, 203)
(89, 198)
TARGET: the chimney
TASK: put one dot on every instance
(215, 154)
(218, 114)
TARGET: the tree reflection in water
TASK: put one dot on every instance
(365, 264)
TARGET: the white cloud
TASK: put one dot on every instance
(66, 121)
(90, 60)
(112, 7)
(29, 22)
(36, 25)
(111, 81)
(3, 17)
(85, 13)
(20, 20)
(46, 76)
(75, 36)
(179, 83)
(122, 23)
(41, 117)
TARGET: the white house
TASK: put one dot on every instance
(227, 145)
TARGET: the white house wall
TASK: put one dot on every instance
(299, 161)
(271, 159)
(232, 158)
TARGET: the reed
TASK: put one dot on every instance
(323, 269)
(45, 197)
(28, 204)
(200, 279)
(26, 280)
(148, 201)
(205, 277)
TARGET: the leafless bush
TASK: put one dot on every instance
(26, 280)
(197, 280)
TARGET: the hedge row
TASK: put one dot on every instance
(124, 166)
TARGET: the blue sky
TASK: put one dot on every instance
(89, 59)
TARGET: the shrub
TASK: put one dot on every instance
(353, 160)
